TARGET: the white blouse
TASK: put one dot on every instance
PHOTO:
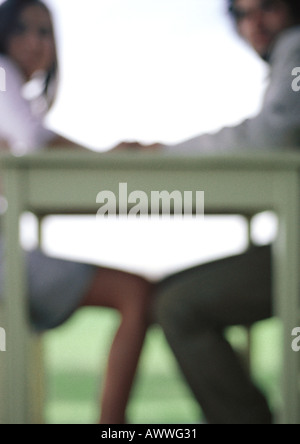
(21, 120)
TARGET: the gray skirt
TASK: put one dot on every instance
(55, 287)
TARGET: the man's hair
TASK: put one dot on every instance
(293, 5)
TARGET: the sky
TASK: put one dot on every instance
(148, 70)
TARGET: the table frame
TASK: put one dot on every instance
(68, 183)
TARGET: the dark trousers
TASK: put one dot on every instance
(194, 307)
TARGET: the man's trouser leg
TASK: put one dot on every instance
(194, 307)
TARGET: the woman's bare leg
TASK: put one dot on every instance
(131, 296)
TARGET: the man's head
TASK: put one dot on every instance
(261, 21)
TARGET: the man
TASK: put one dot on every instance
(195, 306)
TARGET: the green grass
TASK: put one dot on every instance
(76, 356)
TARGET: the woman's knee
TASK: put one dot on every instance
(137, 298)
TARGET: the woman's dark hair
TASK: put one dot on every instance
(10, 11)
(293, 5)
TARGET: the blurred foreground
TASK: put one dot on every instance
(76, 356)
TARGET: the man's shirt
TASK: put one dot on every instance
(277, 126)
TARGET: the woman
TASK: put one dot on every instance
(57, 288)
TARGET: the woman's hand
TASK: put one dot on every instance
(4, 146)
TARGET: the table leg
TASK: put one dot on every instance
(16, 398)
(287, 306)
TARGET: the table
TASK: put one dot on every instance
(68, 182)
